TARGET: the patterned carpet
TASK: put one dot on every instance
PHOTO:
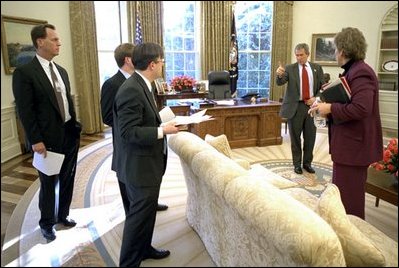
(98, 210)
(313, 183)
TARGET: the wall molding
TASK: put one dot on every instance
(10, 145)
(389, 109)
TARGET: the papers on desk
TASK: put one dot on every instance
(167, 116)
(224, 102)
(51, 165)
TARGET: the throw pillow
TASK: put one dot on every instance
(303, 196)
(358, 249)
(257, 170)
(220, 143)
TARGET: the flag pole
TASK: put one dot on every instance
(138, 30)
(233, 56)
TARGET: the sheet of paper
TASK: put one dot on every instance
(225, 102)
(166, 114)
(51, 165)
(186, 120)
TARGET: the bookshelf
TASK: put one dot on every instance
(388, 51)
(388, 77)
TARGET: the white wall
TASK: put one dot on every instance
(331, 16)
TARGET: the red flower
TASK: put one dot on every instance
(389, 163)
(182, 81)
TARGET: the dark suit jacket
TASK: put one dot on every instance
(292, 93)
(37, 105)
(138, 153)
(108, 92)
(357, 139)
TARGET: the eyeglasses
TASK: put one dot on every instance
(161, 60)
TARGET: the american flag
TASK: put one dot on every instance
(233, 58)
(139, 35)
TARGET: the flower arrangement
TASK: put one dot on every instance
(182, 82)
(389, 163)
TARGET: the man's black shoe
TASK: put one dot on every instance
(67, 222)
(309, 168)
(48, 233)
(298, 170)
(162, 207)
(156, 254)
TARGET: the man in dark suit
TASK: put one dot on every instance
(44, 105)
(123, 58)
(300, 94)
(140, 152)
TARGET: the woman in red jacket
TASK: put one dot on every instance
(355, 133)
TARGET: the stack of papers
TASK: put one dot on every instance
(167, 116)
(224, 102)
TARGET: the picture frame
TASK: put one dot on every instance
(161, 86)
(323, 49)
(16, 43)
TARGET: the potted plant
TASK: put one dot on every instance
(183, 83)
(389, 163)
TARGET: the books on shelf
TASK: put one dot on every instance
(336, 91)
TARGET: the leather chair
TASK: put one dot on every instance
(219, 85)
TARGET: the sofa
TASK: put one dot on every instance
(249, 216)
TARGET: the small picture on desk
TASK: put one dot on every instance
(159, 85)
(202, 86)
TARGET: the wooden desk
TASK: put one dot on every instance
(161, 98)
(382, 185)
(181, 109)
(244, 124)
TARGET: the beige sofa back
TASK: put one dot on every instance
(245, 221)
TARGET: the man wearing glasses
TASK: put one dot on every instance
(123, 58)
(140, 153)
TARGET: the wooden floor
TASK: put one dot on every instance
(17, 175)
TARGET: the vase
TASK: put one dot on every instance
(187, 89)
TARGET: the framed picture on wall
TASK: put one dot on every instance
(323, 49)
(16, 43)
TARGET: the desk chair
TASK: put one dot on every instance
(219, 85)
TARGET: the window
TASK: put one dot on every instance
(180, 35)
(254, 22)
(111, 28)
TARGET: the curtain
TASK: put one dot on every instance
(216, 17)
(151, 17)
(281, 44)
(85, 58)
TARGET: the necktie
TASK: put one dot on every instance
(305, 84)
(152, 92)
(57, 91)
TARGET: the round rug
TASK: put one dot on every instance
(314, 183)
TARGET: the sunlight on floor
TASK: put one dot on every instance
(93, 223)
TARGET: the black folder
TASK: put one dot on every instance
(337, 91)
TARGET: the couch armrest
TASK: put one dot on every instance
(387, 246)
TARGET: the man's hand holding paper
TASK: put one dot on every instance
(169, 117)
(50, 164)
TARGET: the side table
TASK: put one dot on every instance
(382, 185)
